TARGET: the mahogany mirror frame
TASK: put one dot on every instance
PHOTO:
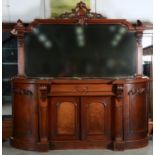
(80, 15)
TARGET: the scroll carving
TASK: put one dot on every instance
(81, 13)
(136, 91)
(22, 91)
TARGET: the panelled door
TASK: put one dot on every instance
(64, 118)
(96, 118)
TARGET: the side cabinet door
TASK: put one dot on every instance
(96, 118)
(64, 118)
(135, 111)
(24, 113)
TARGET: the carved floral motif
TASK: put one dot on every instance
(22, 91)
(136, 91)
(81, 13)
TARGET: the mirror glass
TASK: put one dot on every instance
(93, 50)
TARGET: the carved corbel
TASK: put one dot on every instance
(43, 112)
(118, 117)
(43, 92)
(119, 91)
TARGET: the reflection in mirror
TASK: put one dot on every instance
(100, 50)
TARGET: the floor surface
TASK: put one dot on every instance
(8, 150)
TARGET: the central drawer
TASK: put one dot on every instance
(79, 89)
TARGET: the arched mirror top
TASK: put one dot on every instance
(107, 40)
(80, 15)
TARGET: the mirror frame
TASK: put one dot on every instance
(81, 15)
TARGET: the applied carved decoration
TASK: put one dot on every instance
(81, 13)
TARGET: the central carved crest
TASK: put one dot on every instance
(81, 13)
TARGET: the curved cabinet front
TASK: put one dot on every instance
(135, 115)
(48, 114)
(25, 116)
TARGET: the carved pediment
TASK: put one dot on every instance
(81, 13)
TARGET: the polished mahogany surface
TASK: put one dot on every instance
(82, 99)
(61, 114)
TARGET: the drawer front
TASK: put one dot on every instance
(79, 89)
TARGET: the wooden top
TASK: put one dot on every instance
(121, 80)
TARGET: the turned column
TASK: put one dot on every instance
(19, 31)
(139, 34)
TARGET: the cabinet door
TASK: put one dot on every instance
(64, 118)
(135, 111)
(96, 118)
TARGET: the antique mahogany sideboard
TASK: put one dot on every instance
(62, 113)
